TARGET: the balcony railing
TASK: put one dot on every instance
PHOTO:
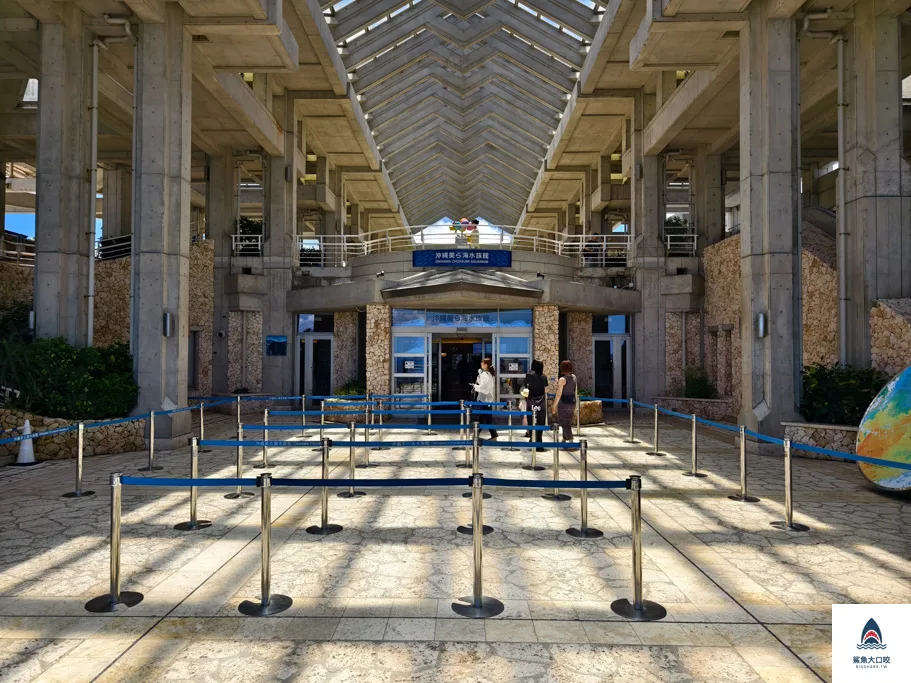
(22, 253)
(113, 247)
(681, 244)
(594, 251)
(247, 245)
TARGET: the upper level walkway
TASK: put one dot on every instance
(746, 602)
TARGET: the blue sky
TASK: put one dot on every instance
(24, 224)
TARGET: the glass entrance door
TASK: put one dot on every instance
(612, 363)
(316, 364)
(458, 362)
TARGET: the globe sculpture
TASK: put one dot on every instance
(885, 433)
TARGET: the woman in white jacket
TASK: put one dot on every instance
(486, 389)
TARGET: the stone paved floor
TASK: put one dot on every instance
(745, 601)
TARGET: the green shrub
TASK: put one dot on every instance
(585, 393)
(696, 384)
(839, 394)
(57, 380)
(249, 226)
(354, 387)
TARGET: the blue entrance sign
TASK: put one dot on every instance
(462, 258)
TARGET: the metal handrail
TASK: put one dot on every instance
(108, 248)
(681, 244)
(247, 245)
(22, 253)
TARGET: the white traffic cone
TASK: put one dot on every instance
(26, 449)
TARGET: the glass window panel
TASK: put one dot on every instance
(308, 322)
(408, 344)
(410, 366)
(519, 318)
(514, 366)
(515, 345)
(407, 317)
(610, 324)
(408, 385)
(510, 386)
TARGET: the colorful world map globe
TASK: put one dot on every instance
(885, 433)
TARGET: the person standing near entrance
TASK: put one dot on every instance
(487, 391)
(565, 401)
(536, 384)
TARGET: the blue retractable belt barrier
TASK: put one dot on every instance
(222, 402)
(718, 425)
(442, 428)
(549, 484)
(169, 481)
(517, 413)
(176, 410)
(399, 444)
(639, 404)
(585, 399)
(38, 435)
(314, 413)
(422, 404)
(528, 444)
(849, 456)
(483, 404)
(514, 428)
(230, 443)
(416, 412)
(442, 481)
(108, 423)
(283, 428)
(326, 398)
(763, 437)
(401, 397)
(672, 413)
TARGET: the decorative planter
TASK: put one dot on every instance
(592, 413)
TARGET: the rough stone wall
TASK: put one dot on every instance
(121, 438)
(721, 263)
(202, 310)
(673, 353)
(580, 347)
(112, 302)
(379, 349)
(344, 351)
(820, 297)
(17, 284)
(719, 410)
(835, 437)
(245, 350)
(547, 341)
(890, 335)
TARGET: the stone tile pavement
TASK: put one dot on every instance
(745, 601)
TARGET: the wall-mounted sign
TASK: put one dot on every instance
(462, 321)
(276, 345)
(409, 365)
(513, 367)
(461, 258)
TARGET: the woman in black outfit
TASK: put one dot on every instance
(536, 383)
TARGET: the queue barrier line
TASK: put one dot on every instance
(314, 413)
(528, 444)
(38, 435)
(718, 425)
(424, 404)
(485, 404)
(673, 413)
(505, 413)
(291, 428)
(402, 397)
(235, 443)
(176, 481)
(327, 398)
(375, 483)
(568, 484)
(413, 427)
(514, 428)
(399, 444)
(586, 399)
(414, 412)
(849, 456)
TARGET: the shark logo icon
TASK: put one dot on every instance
(871, 637)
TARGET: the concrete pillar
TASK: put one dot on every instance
(878, 183)
(355, 227)
(344, 347)
(116, 203)
(579, 330)
(665, 87)
(591, 220)
(220, 216)
(571, 224)
(280, 214)
(262, 89)
(162, 248)
(648, 258)
(768, 229)
(809, 192)
(709, 172)
(62, 242)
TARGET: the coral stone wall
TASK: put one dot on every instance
(112, 302)
(673, 348)
(344, 352)
(379, 350)
(122, 438)
(17, 284)
(890, 335)
(580, 347)
(202, 310)
(834, 437)
(547, 341)
(820, 297)
(719, 410)
(245, 350)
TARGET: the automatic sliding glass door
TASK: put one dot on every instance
(612, 364)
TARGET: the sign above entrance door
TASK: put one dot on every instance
(461, 258)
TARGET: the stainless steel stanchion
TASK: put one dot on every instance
(694, 466)
(116, 599)
(556, 496)
(478, 605)
(80, 441)
(638, 609)
(744, 497)
(535, 434)
(655, 450)
(632, 434)
(239, 492)
(788, 524)
(202, 426)
(303, 416)
(238, 412)
(578, 412)
(194, 524)
(322, 423)
(380, 431)
(351, 493)
(509, 407)
(584, 531)
(429, 431)
(265, 463)
(269, 602)
(325, 529)
(463, 435)
(151, 467)
(367, 463)
(468, 529)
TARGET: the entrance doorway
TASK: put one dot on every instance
(458, 361)
(612, 361)
(316, 364)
